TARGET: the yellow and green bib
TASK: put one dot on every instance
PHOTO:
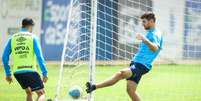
(22, 52)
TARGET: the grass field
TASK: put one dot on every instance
(163, 83)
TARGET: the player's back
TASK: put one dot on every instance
(23, 52)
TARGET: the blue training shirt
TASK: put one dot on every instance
(145, 55)
(37, 50)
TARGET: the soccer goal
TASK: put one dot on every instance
(79, 51)
(102, 32)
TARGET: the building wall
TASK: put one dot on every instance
(11, 14)
(170, 20)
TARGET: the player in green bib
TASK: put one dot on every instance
(26, 52)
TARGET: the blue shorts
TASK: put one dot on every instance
(29, 79)
(138, 70)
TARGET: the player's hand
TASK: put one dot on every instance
(9, 79)
(45, 78)
(140, 37)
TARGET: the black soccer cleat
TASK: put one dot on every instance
(90, 87)
(49, 100)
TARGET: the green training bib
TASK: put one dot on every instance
(22, 52)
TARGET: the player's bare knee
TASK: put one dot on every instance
(28, 91)
(40, 92)
(123, 74)
(118, 74)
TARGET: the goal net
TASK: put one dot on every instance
(102, 32)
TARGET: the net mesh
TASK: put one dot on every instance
(118, 21)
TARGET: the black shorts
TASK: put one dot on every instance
(138, 70)
(29, 79)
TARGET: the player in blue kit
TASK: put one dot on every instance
(142, 61)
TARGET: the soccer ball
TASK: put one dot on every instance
(75, 92)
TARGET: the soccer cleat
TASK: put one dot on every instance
(90, 87)
(49, 100)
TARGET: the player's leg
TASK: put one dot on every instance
(125, 73)
(131, 90)
(37, 86)
(41, 95)
(24, 83)
(138, 71)
(28, 94)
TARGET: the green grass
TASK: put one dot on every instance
(163, 83)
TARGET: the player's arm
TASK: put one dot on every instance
(40, 58)
(151, 45)
(5, 60)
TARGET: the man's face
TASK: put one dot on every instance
(147, 24)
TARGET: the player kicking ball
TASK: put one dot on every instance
(25, 50)
(142, 61)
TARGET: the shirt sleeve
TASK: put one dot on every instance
(39, 56)
(156, 39)
(5, 58)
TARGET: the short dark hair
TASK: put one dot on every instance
(27, 22)
(149, 16)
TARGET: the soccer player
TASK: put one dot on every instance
(25, 49)
(142, 61)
